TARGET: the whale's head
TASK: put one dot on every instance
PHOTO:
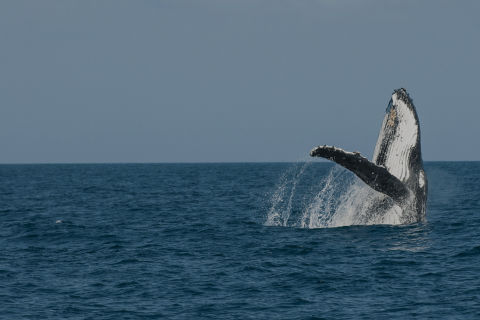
(401, 112)
(398, 146)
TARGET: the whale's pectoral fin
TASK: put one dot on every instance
(377, 177)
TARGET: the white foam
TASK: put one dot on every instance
(355, 206)
(340, 199)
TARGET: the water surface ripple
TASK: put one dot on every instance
(189, 241)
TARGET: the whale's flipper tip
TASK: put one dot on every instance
(325, 151)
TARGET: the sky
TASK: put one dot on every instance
(232, 80)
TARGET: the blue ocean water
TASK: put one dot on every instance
(191, 241)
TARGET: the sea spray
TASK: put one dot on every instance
(322, 205)
(281, 201)
(339, 199)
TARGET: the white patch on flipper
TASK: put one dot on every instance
(421, 179)
(400, 147)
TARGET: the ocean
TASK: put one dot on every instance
(231, 241)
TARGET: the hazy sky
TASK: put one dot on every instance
(232, 80)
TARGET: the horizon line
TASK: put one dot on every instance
(192, 162)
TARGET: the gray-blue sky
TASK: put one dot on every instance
(231, 80)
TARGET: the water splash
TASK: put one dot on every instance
(281, 210)
(340, 199)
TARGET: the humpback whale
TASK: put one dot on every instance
(396, 170)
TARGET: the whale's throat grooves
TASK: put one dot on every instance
(397, 139)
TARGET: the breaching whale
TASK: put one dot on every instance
(396, 169)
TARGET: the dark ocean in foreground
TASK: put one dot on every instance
(229, 241)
